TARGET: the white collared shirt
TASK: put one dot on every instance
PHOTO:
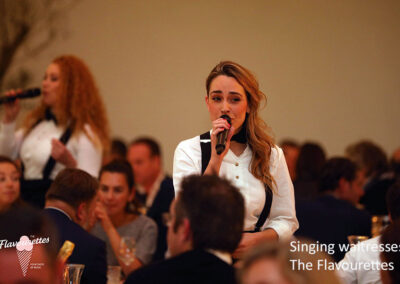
(153, 191)
(282, 218)
(362, 253)
(224, 256)
(34, 149)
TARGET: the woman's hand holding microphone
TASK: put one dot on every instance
(219, 125)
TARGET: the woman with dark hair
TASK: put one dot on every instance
(118, 217)
(373, 163)
(309, 166)
(9, 183)
(69, 128)
(251, 160)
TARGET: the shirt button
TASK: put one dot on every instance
(237, 177)
(237, 164)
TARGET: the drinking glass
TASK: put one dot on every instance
(379, 223)
(113, 274)
(127, 249)
(353, 240)
(73, 273)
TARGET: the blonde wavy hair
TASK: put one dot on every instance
(257, 130)
(79, 102)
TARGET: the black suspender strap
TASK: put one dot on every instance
(205, 144)
(266, 210)
(48, 168)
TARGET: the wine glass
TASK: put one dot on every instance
(353, 240)
(127, 248)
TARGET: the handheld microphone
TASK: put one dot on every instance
(28, 93)
(222, 136)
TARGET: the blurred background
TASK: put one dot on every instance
(330, 69)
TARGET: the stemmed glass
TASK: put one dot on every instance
(353, 240)
(127, 249)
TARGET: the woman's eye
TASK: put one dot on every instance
(236, 100)
(54, 79)
(216, 99)
(119, 190)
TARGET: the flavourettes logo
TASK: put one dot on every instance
(24, 248)
(24, 251)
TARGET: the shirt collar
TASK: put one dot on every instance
(224, 256)
(153, 190)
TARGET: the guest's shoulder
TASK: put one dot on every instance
(147, 274)
(95, 241)
(98, 231)
(142, 222)
(159, 272)
(147, 220)
(167, 182)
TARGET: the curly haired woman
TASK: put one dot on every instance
(68, 129)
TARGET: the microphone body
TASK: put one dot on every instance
(28, 93)
(222, 136)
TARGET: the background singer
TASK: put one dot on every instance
(68, 129)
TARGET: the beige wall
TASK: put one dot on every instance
(330, 69)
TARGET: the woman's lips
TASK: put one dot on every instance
(11, 193)
(110, 205)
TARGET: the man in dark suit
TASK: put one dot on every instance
(204, 229)
(70, 202)
(333, 216)
(154, 189)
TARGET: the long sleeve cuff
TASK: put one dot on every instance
(283, 228)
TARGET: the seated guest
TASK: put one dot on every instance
(117, 217)
(279, 263)
(391, 238)
(364, 252)
(309, 165)
(32, 224)
(9, 183)
(291, 150)
(154, 189)
(395, 163)
(373, 163)
(205, 229)
(70, 203)
(118, 151)
(332, 217)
